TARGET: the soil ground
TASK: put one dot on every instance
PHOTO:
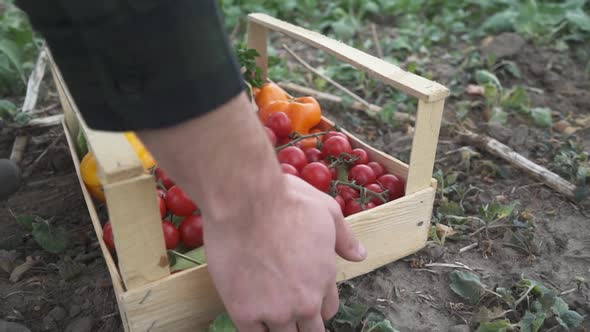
(414, 297)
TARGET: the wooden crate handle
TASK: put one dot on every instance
(431, 95)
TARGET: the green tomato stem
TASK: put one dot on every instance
(299, 139)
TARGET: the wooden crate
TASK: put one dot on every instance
(152, 299)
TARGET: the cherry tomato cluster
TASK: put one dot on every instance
(174, 205)
(327, 161)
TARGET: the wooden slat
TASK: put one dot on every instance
(137, 229)
(258, 40)
(424, 145)
(390, 232)
(188, 301)
(386, 72)
(116, 158)
(110, 263)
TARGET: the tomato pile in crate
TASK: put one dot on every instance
(321, 156)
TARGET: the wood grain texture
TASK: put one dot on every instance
(116, 158)
(385, 72)
(137, 229)
(258, 40)
(424, 145)
(186, 301)
(390, 232)
(110, 263)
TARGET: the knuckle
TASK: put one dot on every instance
(309, 309)
(279, 318)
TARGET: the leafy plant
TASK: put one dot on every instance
(18, 48)
(528, 305)
(49, 237)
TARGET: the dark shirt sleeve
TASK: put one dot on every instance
(139, 64)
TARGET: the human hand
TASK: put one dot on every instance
(275, 270)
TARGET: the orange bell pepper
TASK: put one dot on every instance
(270, 93)
(305, 113)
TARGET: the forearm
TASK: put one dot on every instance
(222, 159)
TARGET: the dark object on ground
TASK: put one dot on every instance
(10, 178)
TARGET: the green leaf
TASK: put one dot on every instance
(483, 77)
(81, 144)
(517, 99)
(501, 21)
(51, 239)
(580, 19)
(499, 116)
(542, 117)
(512, 68)
(22, 118)
(350, 315)
(547, 301)
(467, 285)
(495, 326)
(532, 322)
(451, 208)
(560, 307)
(13, 53)
(183, 264)
(345, 28)
(570, 319)
(222, 323)
(376, 322)
(7, 109)
(27, 221)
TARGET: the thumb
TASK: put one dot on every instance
(347, 245)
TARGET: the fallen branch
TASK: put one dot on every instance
(48, 121)
(18, 271)
(18, 148)
(35, 82)
(329, 80)
(372, 110)
(517, 160)
(469, 247)
(454, 266)
(376, 41)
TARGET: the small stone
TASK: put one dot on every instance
(460, 328)
(434, 252)
(12, 327)
(82, 324)
(74, 310)
(58, 313)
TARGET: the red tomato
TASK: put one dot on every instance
(293, 156)
(107, 236)
(334, 134)
(163, 177)
(162, 206)
(162, 193)
(179, 203)
(171, 234)
(289, 169)
(362, 175)
(377, 168)
(271, 136)
(340, 202)
(352, 207)
(191, 231)
(280, 123)
(313, 155)
(376, 188)
(394, 184)
(335, 146)
(318, 175)
(363, 157)
(347, 192)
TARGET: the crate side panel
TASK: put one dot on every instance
(187, 301)
(390, 232)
